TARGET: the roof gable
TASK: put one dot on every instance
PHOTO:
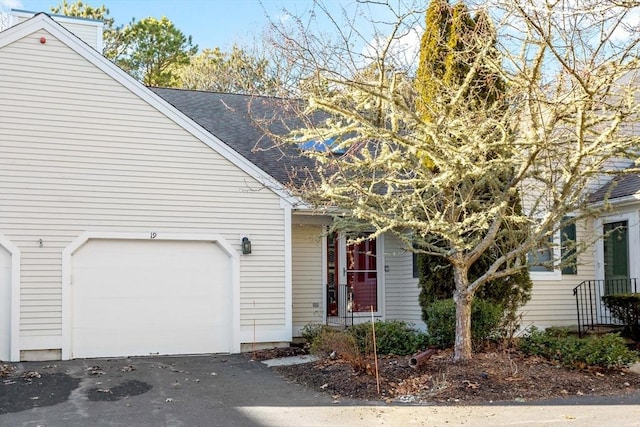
(42, 21)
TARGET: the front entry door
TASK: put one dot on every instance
(352, 278)
(362, 276)
(616, 257)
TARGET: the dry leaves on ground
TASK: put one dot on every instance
(489, 377)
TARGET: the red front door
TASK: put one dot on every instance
(362, 275)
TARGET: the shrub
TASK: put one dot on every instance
(311, 331)
(553, 344)
(343, 343)
(392, 337)
(607, 351)
(440, 317)
(626, 309)
(486, 318)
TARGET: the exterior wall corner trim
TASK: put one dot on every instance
(14, 328)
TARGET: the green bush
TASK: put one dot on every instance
(558, 332)
(311, 331)
(440, 317)
(607, 351)
(392, 337)
(553, 344)
(626, 309)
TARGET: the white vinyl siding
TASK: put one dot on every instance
(401, 288)
(308, 276)
(87, 31)
(552, 302)
(80, 152)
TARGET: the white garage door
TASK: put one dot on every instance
(133, 298)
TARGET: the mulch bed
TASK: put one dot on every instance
(492, 376)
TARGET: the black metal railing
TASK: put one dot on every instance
(591, 311)
(339, 303)
(344, 302)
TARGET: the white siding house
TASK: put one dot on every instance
(123, 209)
(401, 286)
(552, 301)
(116, 208)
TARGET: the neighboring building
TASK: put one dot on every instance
(124, 209)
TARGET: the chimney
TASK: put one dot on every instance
(88, 30)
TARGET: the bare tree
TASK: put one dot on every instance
(572, 103)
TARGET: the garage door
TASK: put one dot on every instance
(133, 298)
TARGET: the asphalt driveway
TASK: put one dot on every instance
(146, 391)
(230, 390)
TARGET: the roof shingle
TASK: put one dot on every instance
(620, 186)
(239, 121)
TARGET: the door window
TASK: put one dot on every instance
(332, 274)
(362, 275)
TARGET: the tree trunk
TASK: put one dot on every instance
(463, 299)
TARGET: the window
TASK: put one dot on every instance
(568, 249)
(560, 246)
(541, 258)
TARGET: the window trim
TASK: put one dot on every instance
(556, 247)
(556, 273)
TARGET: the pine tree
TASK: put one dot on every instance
(450, 47)
(433, 51)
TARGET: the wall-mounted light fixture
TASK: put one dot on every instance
(246, 245)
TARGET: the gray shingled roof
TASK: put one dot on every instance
(620, 186)
(234, 120)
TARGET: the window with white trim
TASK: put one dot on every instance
(541, 258)
(561, 246)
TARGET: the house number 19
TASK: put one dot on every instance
(153, 235)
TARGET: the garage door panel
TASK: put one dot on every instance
(148, 297)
